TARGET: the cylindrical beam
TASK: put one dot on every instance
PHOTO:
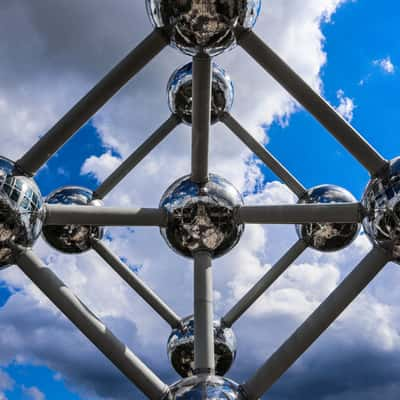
(60, 133)
(137, 284)
(316, 324)
(201, 116)
(301, 213)
(313, 102)
(136, 157)
(104, 216)
(263, 284)
(118, 353)
(204, 358)
(264, 155)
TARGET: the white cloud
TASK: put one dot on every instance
(346, 106)
(385, 64)
(33, 393)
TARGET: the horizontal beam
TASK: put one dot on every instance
(264, 155)
(60, 133)
(313, 102)
(263, 284)
(301, 213)
(137, 284)
(136, 157)
(103, 216)
(94, 329)
(316, 324)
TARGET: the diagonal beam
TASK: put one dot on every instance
(104, 216)
(301, 213)
(136, 157)
(313, 102)
(264, 155)
(136, 284)
(263, 284)
(204, 357)
(118, 353)
(60, 133)
(201, 116)
(316, 324)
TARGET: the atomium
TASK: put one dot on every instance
(327, 237)
(72, 238)
(206, 388)
(21, 211)
(203, 26)
(201, 216)
(179, 91)
(181, 348)
(381, 202)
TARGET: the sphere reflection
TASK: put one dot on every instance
(72, 238)
(181, 348)
(328, 236)
(201, 217)
(195, 26)
(179, 91)
(381, 202)
(21, 211)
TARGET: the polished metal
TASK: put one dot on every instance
(180, 93)
(327, 237)
(21, 211)
(180, 348)
(201, 217)
(203, 26)
(72, 237)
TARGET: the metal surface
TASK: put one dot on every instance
(204, 357)
(136, 157)
(263, 284)
(48, 144)
(121, 356)
(137, 284)
(316, 324)
(313, 102)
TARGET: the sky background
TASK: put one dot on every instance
(52, 52)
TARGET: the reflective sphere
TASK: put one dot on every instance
(327, 237)
(206, 388)
(181, 348)
(179, 91)
(21, 211)
(201, 217)
(72, 238)
(195, 26)
(381, 202)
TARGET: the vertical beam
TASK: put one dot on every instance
(203, 314)
(316, 324)
(201, 116)
(121, 356)
(60, 133)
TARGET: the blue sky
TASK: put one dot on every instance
(359, 38)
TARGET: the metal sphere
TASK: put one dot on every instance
(72, 238)
(21, 211)
(195, 26)
(179, 91)
(327, 237)
(206, 388)
(381, 202)
(180, 348)
(201, 217)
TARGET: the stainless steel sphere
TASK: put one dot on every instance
(179, 91)
(72, 238)
(201, 217)
(327, 237)
(181, 348)
(381, 202)
(206, 388)
(207, 26)
(21, 211)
